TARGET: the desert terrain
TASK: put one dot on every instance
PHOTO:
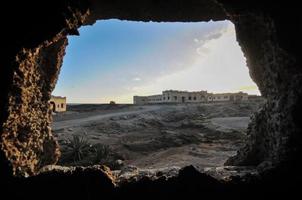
(151, 136)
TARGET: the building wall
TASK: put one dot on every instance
(219, 97)
(240, 96)
(224, 97)
(175, 96)
(140, 100)
(58, 104)
(147, 99)
(154, 98)
(255, 98)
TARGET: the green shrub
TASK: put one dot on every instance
(76, 149)
(101, 153)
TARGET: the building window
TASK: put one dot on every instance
(190, 98)
(194, 98)
(164, 98)
(218, 97)
(62, 105)
(58, 105)
(168, 98)
(175, 97)
(225, 97)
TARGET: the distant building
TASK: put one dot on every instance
(255, 98)
(223, 97)
(175, 96)
(58, 104)
(147, 99)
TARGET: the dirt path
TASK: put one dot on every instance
(83, 121)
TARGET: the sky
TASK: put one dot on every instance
(115, 60)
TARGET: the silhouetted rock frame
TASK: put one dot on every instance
(34, 42)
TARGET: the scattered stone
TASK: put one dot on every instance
(119, 162)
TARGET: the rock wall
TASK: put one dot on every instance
(32, 64)
(29, 116)
(274, 136)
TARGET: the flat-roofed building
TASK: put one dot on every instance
(255, 98)
(177, 96)
(223, 97)
(57, 104)
(147, 99)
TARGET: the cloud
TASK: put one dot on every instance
(202, 47)
(196, 40)
(180, 52)
(174, 55)
(202, 51)
(137, 79)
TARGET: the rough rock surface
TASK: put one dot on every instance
(275, 131)
(33, 48)
(31, 74)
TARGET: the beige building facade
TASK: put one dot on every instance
(176, 96)
(255, 98)
(223, 97)
(58, 104)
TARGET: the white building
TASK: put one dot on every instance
(222, 97)
(147, 99)
(175, 96)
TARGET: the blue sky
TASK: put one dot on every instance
(114, 60)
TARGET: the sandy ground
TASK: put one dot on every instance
(96, 117)
(155, 136)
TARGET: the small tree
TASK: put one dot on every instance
(112, 102)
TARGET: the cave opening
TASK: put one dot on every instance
(153, 95)
(34, 49)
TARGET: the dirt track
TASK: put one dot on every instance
(159, 135)
(95, 117)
